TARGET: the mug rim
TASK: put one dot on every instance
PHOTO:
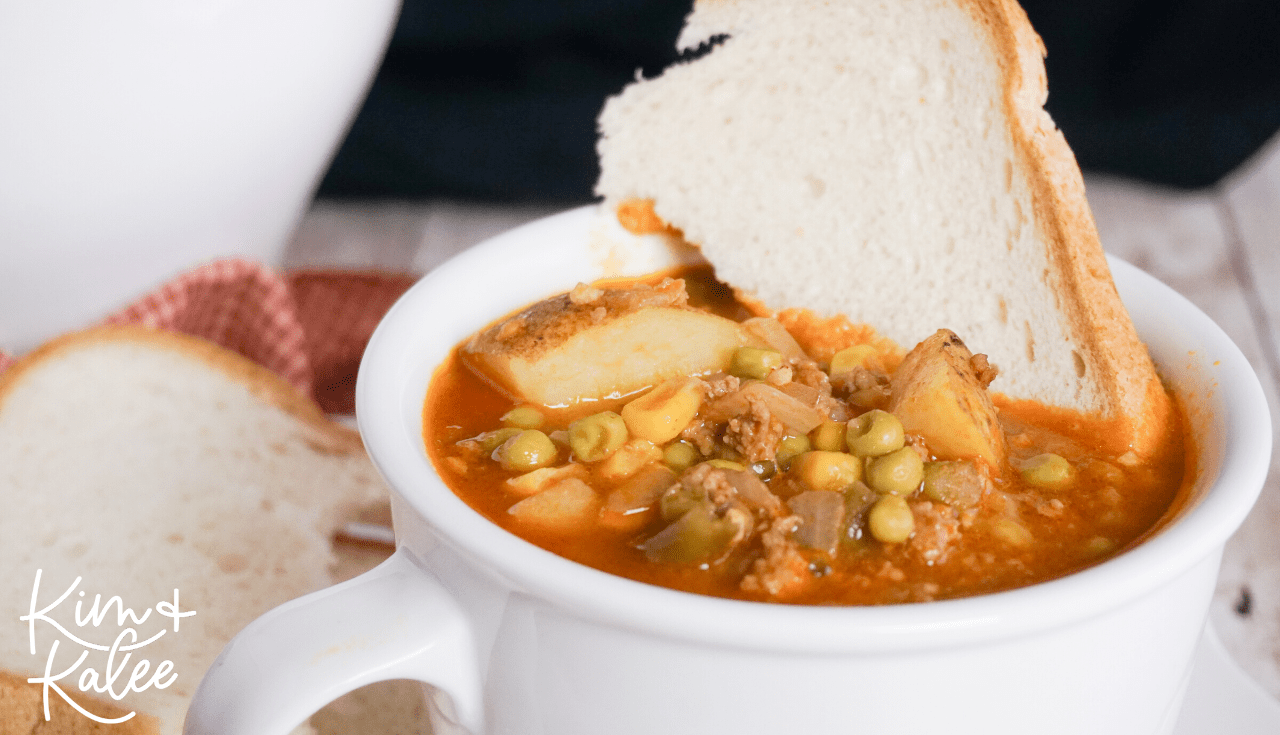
(1199, 530)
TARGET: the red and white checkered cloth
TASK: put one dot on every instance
(310, 327)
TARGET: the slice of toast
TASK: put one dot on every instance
(891, 162)
(152, 466)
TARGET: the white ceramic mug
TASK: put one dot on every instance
(140, 138)
(514, 639)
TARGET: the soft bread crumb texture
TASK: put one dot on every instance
(891, 162)
(144, 462)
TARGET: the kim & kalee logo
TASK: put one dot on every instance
(100, 664)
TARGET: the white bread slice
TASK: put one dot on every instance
(146, 461)
(891, 162)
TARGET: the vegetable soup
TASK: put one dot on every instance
(658, 430)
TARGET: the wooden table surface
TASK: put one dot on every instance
(1220, 248)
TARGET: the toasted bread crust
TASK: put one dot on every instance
(22, 712)
(263, 383)
(1107, 344)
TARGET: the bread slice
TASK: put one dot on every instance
(891, 162)
(147, 462)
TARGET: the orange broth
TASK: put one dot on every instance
(1114, 502)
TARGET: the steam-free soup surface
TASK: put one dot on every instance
(799, 460)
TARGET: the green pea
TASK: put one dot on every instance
(954, 482)
(754, 362)
(1099, 546)
(850, 358)
(827, 470)
(764, 469)
(859, 497)
(597, 436)
(680, 456)
(698, 535)
(523, 417)
(875, 433)
(679, 500)
(726, 452)
(828, 437)
(890, 520)
(527, 450)
(791, 447)
(726, 464)
(1013, 533)
(1048, 471)
(491, 440)
(896, 473)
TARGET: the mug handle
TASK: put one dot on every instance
(395, 621)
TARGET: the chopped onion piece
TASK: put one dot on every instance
(753, 491)
(822, 517)
(798, 418)
(771, 332)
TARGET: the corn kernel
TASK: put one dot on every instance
(628, 460)
(523, 417)
(1011, 532)
(662, 413)
(791, 447)
(829, 436)
(755, 362)
(827, 470)
(850, 358)
(1049, 471)
(531, 483)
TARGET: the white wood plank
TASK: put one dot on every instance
(1252, 195)
(450, 227)
(383, 236)
(1178, 238)
(402, 237)
(1251, 209)
(1190, 241)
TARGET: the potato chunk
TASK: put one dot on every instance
(569, 505)
(593, 343)
(531, 483)
(938, 394)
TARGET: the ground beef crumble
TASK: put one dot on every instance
(755, 434)
(782, 570)
(711, 481)
(719, 385)
(807, 372)
(702, 435)
(985, 371)
(864, 388)
(937, 527)
(1051, 508)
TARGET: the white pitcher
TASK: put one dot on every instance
(139, 138)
